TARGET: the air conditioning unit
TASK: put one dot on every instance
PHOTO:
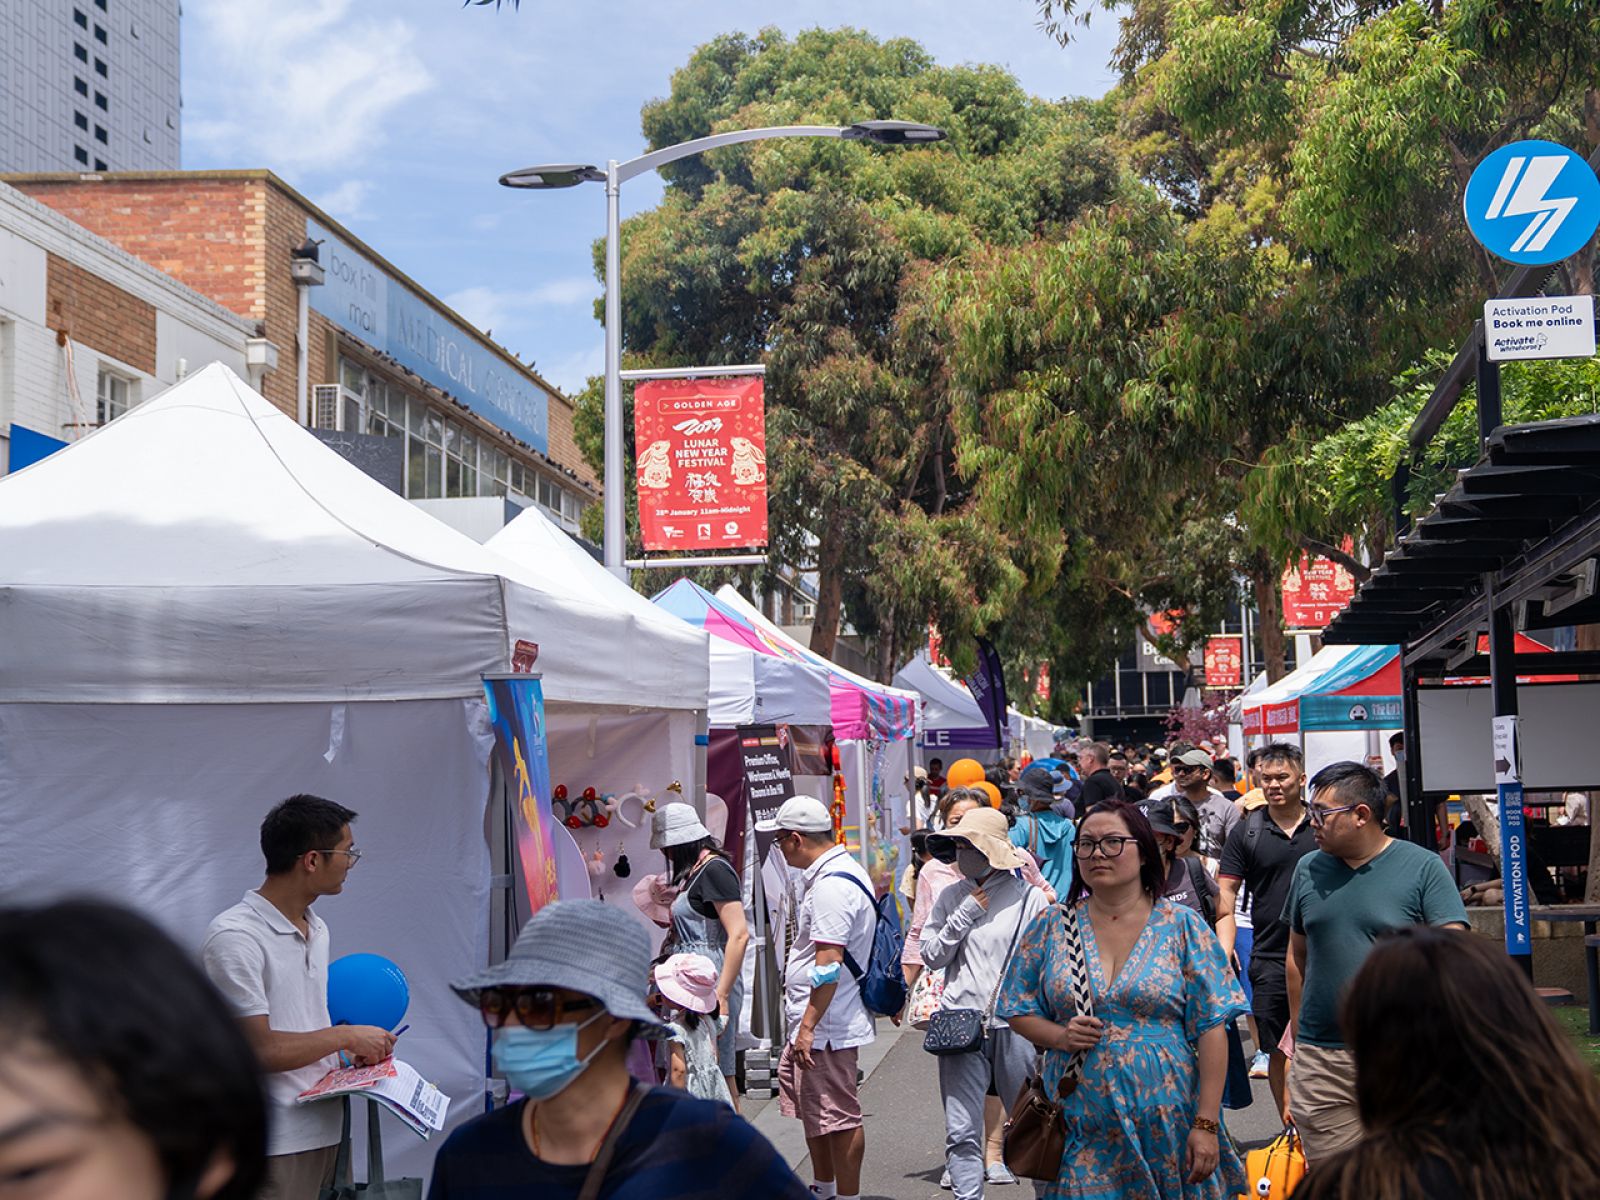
(326, 406)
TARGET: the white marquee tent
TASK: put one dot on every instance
(203, 610)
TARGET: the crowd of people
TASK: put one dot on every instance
(1104, 926)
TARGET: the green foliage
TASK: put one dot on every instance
(822, 258)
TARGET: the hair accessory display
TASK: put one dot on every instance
(622, 868)
(620, 807)
(596, 863)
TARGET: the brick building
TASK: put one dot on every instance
(394, 378)
(87, 330)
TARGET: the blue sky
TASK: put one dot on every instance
(398, 116)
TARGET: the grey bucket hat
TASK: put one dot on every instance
(558, 948)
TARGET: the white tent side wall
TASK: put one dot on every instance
(159, 806)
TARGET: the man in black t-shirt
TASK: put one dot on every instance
(1260, 855)
(1099, 784)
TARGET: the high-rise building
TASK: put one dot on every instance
(89, 85)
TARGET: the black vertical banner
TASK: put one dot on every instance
(768, 777)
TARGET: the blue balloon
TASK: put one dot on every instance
(367, 989)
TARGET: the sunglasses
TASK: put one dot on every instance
(1185, 768)
(943, 849)
(536, 1008)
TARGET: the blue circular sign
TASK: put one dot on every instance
(1533, 202)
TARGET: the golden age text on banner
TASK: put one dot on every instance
(701, 446)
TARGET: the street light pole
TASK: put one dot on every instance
(614, 496)
(564, 175)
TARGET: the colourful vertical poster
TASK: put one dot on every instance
(516, 709)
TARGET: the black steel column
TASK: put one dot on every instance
(1513, 849)
(1488, 394)
(1419, 822)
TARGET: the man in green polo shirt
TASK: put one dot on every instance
(1360, 884)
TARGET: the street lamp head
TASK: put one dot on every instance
(553, 175)
(892, 133)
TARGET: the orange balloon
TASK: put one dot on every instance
(990, 790)
(964, 772)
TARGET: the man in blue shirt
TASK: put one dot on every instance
(1358, 885)
(564, 1006)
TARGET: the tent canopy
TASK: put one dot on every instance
(1340, 688)
(950, 715)
(205, 548)
(540, 548)
(860, 708)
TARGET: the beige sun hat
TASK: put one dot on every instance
(985, 829)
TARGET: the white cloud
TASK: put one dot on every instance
(297, 85)
(498, 308)
(348, 201)
(571, 372)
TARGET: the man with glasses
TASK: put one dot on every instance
(1259, 860)
(268, 955)
(1191, 777)
(562, 1016)
(1360, 884)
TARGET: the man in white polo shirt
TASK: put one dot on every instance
(826, 1018)
(268, 955)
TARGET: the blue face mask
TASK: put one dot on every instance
(540, 1063)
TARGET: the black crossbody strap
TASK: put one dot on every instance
(596, 1177)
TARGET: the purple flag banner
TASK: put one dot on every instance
(988, 687)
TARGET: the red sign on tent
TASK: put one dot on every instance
(1225, 661)
(701, 446)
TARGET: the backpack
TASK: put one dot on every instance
(1197, 880)
(882, 984)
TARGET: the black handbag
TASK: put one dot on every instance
(962, 1030)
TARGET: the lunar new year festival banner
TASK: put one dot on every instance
(701, 446)
(516, 710)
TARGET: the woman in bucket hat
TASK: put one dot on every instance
(971, 933)
(563, 1007)
(707, 916)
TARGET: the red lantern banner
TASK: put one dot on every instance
(1315, 590)
(701, 472)
(1225, 661)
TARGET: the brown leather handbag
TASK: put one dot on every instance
(1035, 1137)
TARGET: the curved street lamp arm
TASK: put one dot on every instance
(660, 158)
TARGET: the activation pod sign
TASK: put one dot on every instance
(1513, 836)
(702, 463)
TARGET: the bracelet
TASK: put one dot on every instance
(1206, 1125)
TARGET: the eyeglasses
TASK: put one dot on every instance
(1185, 768)
(1181, 827)
(1109, 847)
(536, 1008)
(1319, 814)
(355, 855)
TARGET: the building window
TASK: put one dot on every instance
(100, 4)
(79, 52)
(100, 66)
(100, 100)
(112, 396)
(81, 121)
(100, 33)
(80, 87)
(82, 155)
(80, 18)
(100, 133)
(100, 165)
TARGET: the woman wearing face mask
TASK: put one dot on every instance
(564, 1006)
(971, 932)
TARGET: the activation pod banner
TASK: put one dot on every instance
(516, 709)
(702, 463)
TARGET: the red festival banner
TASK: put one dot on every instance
(1225, 661)
(1315, 590)
(701, 446)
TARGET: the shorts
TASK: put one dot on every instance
(1322, 1098)
(824, 1095)
(1269, 1000)
(1243, 941)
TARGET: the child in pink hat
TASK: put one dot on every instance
(687, 984)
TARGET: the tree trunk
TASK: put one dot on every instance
(830, 596)
(885, 658)
(1269, 620)
(1477, 807)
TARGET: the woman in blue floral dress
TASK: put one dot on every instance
(1144, 1122)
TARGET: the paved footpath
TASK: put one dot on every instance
(905, 1123)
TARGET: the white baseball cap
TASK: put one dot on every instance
(798, 814)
